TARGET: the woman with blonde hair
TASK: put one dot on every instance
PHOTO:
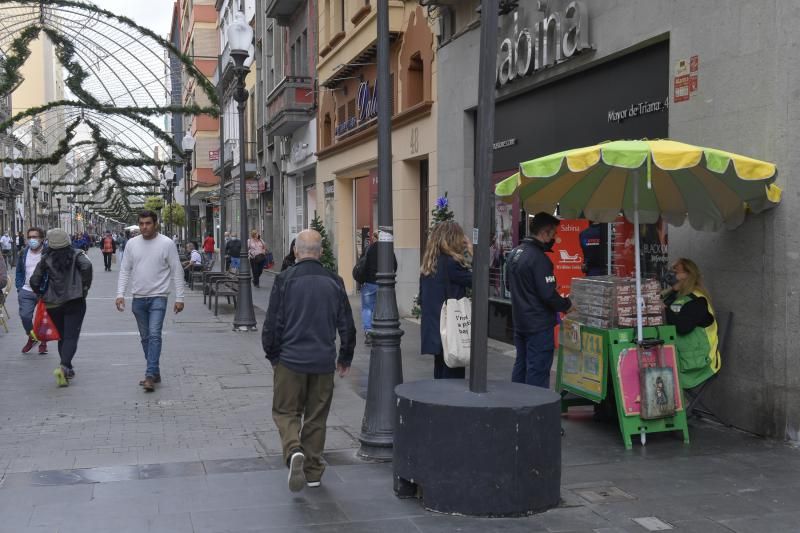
(257, 252)
(445, 273)
(688, 308)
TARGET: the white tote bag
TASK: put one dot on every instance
(455, 328)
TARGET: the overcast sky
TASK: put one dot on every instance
(152, 14)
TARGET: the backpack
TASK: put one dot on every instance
(360, 268)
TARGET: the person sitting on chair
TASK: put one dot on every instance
(688, 308)
(195, 262)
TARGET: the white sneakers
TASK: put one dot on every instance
(296, 477)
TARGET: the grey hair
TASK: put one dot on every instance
(308, 244)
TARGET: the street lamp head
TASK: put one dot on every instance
(188, 143)
(8, 172)
(240, 37)
(17, 173)
(35, 183)
(169, 175)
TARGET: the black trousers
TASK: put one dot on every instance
(258, 268)
(442, 371)
(68, 319)
(107, 260)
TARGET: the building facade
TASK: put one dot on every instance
(227, 163)
(347, 178)
(199, 40)
(289, 122)
(566, 73)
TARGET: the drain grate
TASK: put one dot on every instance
(604, 495)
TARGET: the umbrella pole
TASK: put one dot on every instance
(609, 248)
(638, 258)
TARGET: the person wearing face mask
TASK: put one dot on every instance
(28, 260)
(688, 308)
(535, 302)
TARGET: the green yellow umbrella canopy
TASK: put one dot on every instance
(675, 181)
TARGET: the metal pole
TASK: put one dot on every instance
(245, 318)
(187, 190)
(638, 258)
(385, 365)
(222, 208)
(483, 205)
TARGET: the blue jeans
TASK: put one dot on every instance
(27, 303)
(534, 358)
(149, 313)
(369, 295)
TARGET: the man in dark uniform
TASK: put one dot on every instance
(535, 302)
(594, 244)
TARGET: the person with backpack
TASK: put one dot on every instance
(366, 272)
(62, 279)
(109, 248)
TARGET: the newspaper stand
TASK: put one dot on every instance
(605, 363)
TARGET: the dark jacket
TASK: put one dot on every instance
(372, 263)
(307, 306)
(233, 248)
(19, 279)
(534, 298)
(433, 291)
(288, 262)
(63, 286)
(693, 314)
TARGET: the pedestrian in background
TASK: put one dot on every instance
(20, 240)
(208, 249)
(445, 274)
(257, 253)
(290, 258)
(233, 251)
(121, 242)
(308, 305)
(67, 275)
(535, 302)
(109, 248)
(28, 259)
(369, 289)
(193, 264)
(6, 245)
(151, 261)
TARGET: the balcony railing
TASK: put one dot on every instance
(290, 105)
(283, 10)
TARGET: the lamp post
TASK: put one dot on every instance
(188, 148)
(58, 204)
(385, 368)
(167, 182)
(35, 188)
(240, 37)
(12, 174)
(71, 202)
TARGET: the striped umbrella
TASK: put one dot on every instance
(646, 180)
(711, 187)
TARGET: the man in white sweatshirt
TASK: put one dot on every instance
(150, 261)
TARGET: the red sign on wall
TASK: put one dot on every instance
(567, 255)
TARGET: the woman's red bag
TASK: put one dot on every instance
(43, 328)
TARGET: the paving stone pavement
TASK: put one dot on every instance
(201, 454)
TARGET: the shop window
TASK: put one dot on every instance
(415, 81)
(351, 109)
(327, 131)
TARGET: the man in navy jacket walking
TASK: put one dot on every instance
(308, 305)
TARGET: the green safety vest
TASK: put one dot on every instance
(698, 351)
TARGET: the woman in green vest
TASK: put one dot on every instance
(688, 308)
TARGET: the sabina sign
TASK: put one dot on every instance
(532, 39)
